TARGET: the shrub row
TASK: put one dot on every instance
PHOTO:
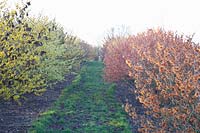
(34, 52)
(165, 67)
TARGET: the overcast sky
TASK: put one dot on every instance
(91, 19)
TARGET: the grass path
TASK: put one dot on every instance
(87, 106)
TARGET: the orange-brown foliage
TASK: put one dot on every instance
(166, 69)
(116, 51)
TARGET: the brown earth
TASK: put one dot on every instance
(125, 94)
(15, 118)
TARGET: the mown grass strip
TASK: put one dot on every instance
(87, 106)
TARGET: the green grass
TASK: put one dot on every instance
(87, 106)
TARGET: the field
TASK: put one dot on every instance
(52, 81)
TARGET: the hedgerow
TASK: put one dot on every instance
(60, 52)
(34, 52)
(116, 50)
(18, 60)
(165, 68)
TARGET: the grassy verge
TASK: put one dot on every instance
(87, 106)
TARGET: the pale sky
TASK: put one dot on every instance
(91, 19)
